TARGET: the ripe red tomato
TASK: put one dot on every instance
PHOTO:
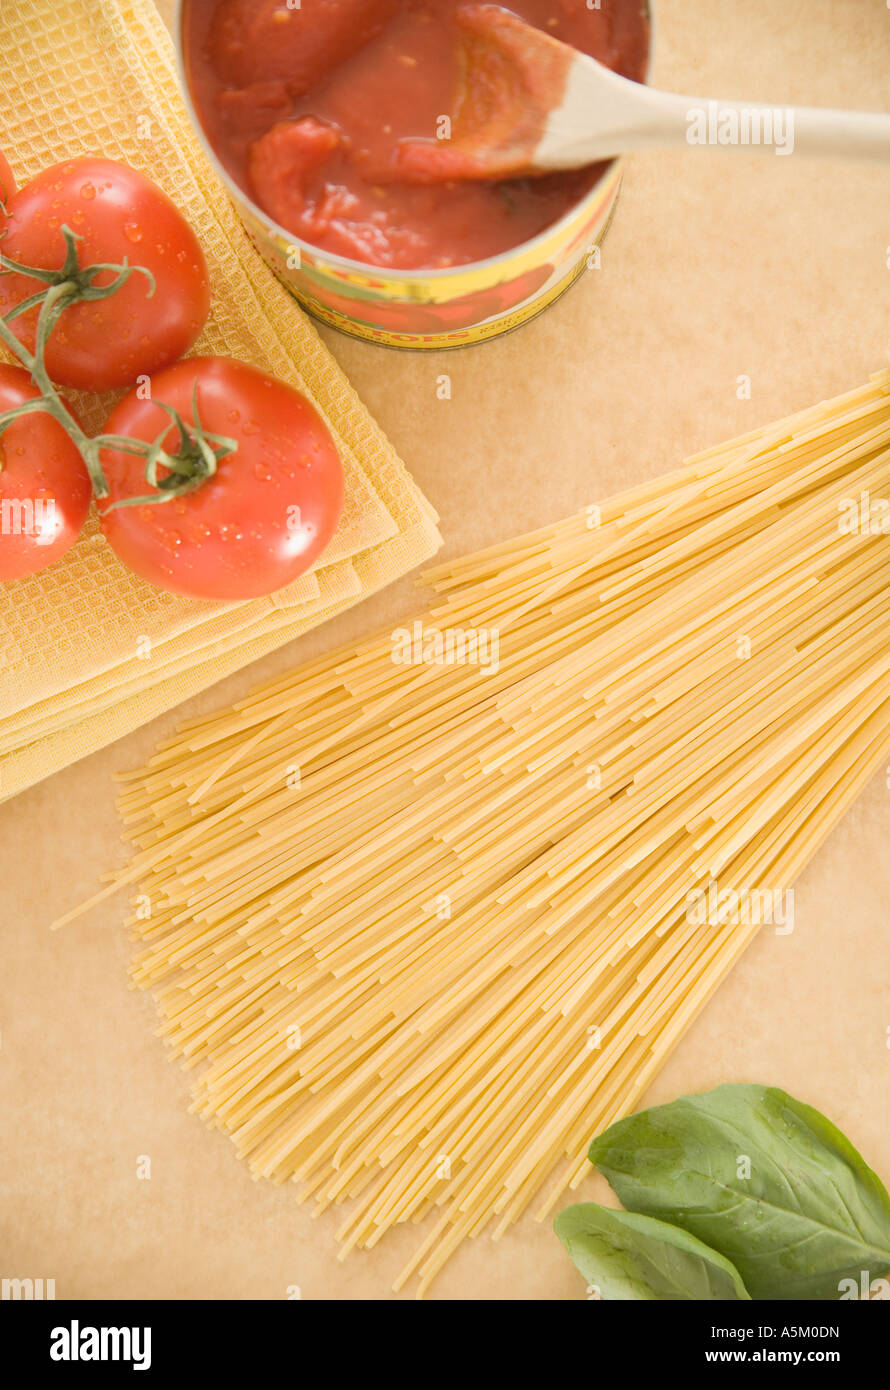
(266, 514)
(45, 489)
(120, 215)
(7, 179)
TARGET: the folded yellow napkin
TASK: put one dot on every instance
(87, 650)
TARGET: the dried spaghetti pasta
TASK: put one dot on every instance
(420, 914)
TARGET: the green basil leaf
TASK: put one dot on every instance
(761, 1177)
(625, 1256)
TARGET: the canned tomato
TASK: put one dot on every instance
(299, 106)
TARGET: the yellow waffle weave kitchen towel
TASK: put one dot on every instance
(98, 76)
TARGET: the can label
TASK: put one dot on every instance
(479, 333)
(451, 309)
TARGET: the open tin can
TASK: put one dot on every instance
(425, 310)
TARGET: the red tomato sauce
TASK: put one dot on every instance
(306, 107)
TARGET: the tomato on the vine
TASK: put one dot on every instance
(45, 489)
(119, 215)
(264, 516)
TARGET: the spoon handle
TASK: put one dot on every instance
(629, 116)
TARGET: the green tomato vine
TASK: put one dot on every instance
(168, 475)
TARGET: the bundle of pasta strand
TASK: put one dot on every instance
(424, 929)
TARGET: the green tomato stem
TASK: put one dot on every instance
(199, 452)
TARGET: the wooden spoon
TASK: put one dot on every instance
(531, 104)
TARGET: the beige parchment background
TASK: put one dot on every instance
(715, 267)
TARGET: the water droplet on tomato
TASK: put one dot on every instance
(251, 427)
(132, 231)
(261, 471)
(87, 191)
